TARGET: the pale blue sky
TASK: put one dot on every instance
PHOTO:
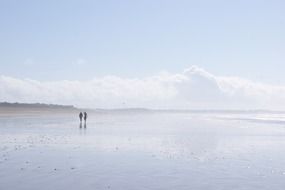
(77, 40)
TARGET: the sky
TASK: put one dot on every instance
(100, 48)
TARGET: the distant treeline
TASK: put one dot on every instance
(35, 105)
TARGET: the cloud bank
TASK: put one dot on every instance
(194, 88)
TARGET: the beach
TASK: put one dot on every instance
(142, 150)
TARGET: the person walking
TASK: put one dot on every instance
(80, 116)
(85, 117)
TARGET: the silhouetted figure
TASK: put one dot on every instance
(85, 126)
(80, 116)
(80, 125)
(85, 116)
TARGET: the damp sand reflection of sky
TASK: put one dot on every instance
(180, 136)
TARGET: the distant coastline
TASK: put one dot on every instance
(7, 107)
(35, 105)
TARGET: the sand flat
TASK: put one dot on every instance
(141, 151)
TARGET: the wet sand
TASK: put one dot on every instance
(142, 151)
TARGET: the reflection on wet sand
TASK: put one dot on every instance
(84, 126)
(141, 147)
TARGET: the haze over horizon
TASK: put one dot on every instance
(194, 88)
(152, 54)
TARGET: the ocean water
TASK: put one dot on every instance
(143, 151)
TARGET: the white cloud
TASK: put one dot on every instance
(80, 62)
(29, 62)
(194, 88)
